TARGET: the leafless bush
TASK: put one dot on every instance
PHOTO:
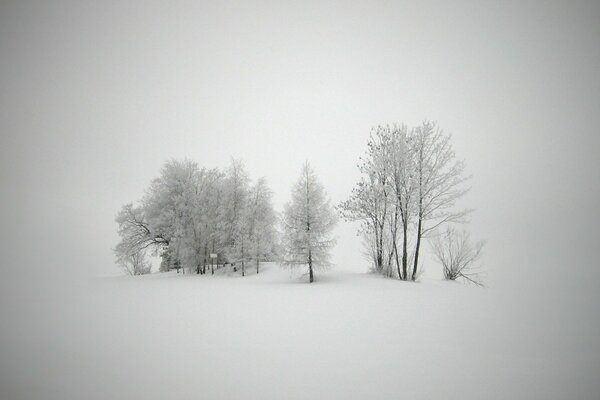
(135, 263)
(453, 249)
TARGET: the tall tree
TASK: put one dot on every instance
(308, 220)
(198, 231)
(235, 197)
(402, 183)
(260, 221)
(370, 198)
(169, 205)
(210, 207)
(438, 178)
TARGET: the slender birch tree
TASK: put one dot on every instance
(439, 181)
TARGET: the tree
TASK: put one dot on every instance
(134, 263)
(383, 199)
(409, 185)
(136, 233)
(210, 207)
(457, 255)
(169, 206)
(260, 219)
(370, 199)
(188, 213)
(403, 186)
(308, 220)
(438, 179)
(198, 231)
(233, 230)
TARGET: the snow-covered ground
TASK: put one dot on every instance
(273, 336)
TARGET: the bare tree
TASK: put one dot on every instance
(457, 255)
(438, 181)
(134, 263)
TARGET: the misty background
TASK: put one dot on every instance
(96, 96)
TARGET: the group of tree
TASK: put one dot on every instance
(190, 213)
(409, 185)
(410, 182)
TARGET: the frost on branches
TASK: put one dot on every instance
(308, 220)
(409, 186)
(189, 213)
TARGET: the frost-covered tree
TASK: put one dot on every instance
(136, 237)
(308, 220)
(233, 229)
(170, 204)
(198, 232)
(190, 212)
(209, 207)
(409, 185)
(166, 261)
(260, 220)
(370, 199)
(454, 251)
(438, 178)
(136, 232)
(383, 199)
(403, 186)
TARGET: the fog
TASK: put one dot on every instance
(95, 97)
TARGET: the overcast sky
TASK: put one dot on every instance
(96, 96)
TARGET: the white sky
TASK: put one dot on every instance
(95, 97)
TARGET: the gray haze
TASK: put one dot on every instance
(95, 97)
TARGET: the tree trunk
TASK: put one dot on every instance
(243, 268)
(257, 254)
(420, 224)
(212, 260)
(378, 247)
(414, 274)
(404, 252)
(204, 261)
(310, 269)
(394, 232)
(380, 252)
(400, 276)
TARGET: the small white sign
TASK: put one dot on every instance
(213, 255)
